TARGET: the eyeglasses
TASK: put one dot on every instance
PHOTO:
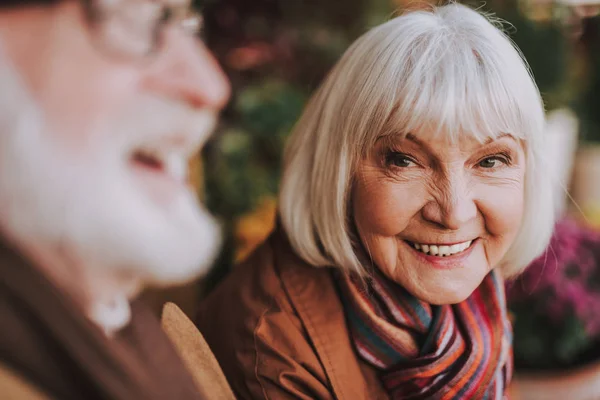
(134, 29)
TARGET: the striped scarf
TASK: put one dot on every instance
(461, 351)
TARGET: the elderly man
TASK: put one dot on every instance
(102, 102)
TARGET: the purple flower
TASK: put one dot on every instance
(565, 280)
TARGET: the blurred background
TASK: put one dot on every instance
(276, 52)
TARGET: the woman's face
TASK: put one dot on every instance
(436, 216)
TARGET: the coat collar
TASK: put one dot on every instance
(314, 296)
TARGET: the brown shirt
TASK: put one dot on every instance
(277, 327)
(47, 340)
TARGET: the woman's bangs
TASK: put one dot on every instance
(462, 94)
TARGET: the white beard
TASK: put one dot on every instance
(83, 199)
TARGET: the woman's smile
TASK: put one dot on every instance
(443, 255)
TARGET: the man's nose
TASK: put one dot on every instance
(185, 70)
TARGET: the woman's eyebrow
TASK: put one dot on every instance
(415, 139)
(424, 145)
(500, 136)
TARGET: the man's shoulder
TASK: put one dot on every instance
(25, 344)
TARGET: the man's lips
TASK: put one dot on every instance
(147, 161)
(172, 164)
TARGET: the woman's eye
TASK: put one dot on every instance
(399, 160)
(492, 162)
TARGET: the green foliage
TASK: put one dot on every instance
(547, 52)
(541, 343)
(588, 105)
(243, 163)
(275, 52)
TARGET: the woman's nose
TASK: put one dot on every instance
(452, 205)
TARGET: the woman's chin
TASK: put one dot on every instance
(439, 298)
(440, 290)
(442, 280)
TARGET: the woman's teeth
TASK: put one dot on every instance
(442, 250)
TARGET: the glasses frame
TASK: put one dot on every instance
(183, 17)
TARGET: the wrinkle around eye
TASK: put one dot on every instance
(405, 174)
(373, 174)
(504, 181)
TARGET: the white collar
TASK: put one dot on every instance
(111, 316)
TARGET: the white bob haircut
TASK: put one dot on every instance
(446, 68)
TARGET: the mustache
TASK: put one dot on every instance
(161, 122)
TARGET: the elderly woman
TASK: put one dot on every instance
(413, 186)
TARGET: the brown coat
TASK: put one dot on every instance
(49, 347)
(188, 342)
(277, 327)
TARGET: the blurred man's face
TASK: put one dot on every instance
(95, 137)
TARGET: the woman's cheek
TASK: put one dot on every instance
(383, 207)
(502, 207)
